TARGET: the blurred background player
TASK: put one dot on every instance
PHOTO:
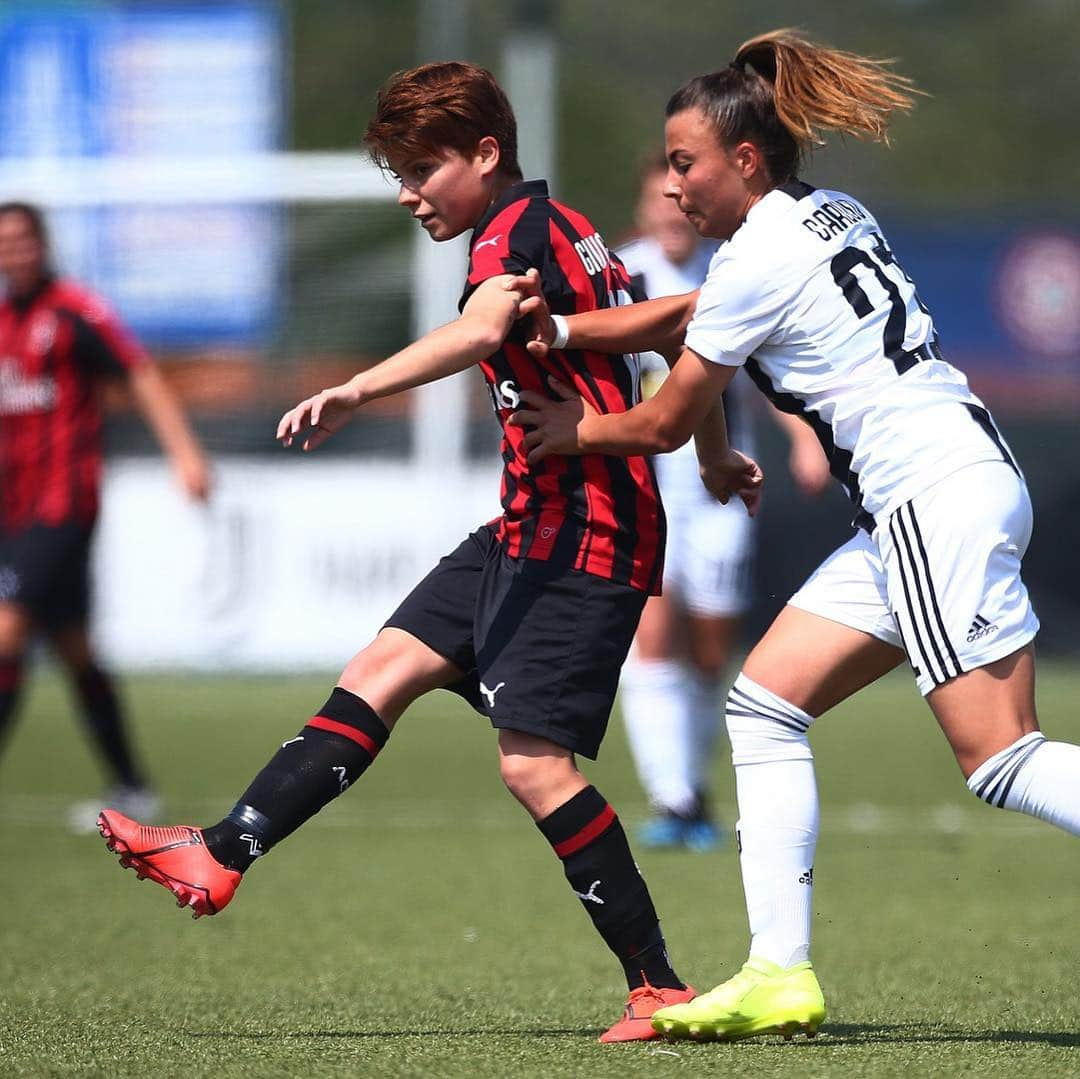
(670, 687)
(58, 342)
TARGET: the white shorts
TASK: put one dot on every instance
(709, 560)
(940, 577)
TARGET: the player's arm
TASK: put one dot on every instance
(160, 409)
(688, 403)
(649, 326)
(807, 462)
(107, 348)
(480, 330)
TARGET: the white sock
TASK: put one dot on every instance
(705, 725)
(656, 710)
(1036, 777)
(778, 819)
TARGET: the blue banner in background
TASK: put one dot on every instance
(129, 79)
(1005, 297)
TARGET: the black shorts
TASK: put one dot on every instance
(46, 569)
(541, 645)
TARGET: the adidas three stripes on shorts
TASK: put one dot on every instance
(939, 577)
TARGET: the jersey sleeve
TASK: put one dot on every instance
(736, 312)
(103, 344)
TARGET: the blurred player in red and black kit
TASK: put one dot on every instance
(530, 618)
(57, 342)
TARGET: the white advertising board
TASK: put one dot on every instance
(293, 564)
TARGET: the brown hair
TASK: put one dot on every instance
(442, 106)
(782, 91)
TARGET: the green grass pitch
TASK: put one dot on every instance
(420, 926)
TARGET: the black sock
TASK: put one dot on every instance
(586, 834)
(307, 772)
(11, 675)
(105, 722)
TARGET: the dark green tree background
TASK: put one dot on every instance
(997, 129)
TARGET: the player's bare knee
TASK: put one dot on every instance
(534, 770)
(14, 630)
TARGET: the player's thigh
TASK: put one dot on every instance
(657, 636)
(815, 663)
(986, 710)
(710, 641)
(835, 635)
(395, 669)
(15, 628)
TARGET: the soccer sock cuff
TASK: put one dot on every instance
(1036, 777)
(333, 750)
(586, 835)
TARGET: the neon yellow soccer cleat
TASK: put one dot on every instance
(761, 999)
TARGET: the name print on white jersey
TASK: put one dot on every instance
(834, 217)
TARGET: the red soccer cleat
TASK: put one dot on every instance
(175, 857)
(635, 1024)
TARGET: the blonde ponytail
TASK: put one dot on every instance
(816, 88)
(781, 92)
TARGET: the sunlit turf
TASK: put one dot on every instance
(421, 926)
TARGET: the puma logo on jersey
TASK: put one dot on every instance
(593, 253)
(298, 738)
(980, 628)
(488, 243)
(490, 693)
(590, 896)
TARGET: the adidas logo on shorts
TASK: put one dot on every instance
(807, 877)
(980, 628)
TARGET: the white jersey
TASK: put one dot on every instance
(678, 472)
(809, 298)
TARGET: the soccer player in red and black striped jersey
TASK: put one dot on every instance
(57, 342)
(531, 617)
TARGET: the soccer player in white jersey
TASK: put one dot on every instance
(670, 689)
(807, 295)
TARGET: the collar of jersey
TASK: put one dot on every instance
(527, 189)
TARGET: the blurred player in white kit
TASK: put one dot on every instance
(670, 689)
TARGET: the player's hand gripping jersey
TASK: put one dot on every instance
(595, 513)
(808, 296)
(53, 347)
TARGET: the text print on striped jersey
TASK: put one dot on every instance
(593, 253)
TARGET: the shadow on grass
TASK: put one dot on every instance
(831, 1034)
(482, 1033)
(876, 1033)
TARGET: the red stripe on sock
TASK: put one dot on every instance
(587, 834)
(323, 724)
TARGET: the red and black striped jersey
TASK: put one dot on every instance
(600, 514)
(54, 346)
